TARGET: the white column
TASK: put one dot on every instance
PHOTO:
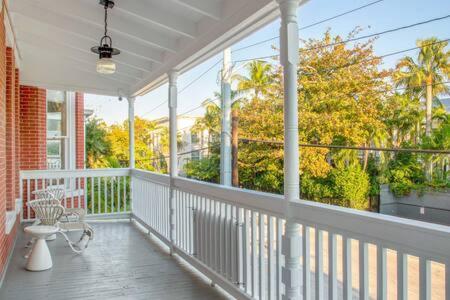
(131, 131)
(225, 137)
(289, 60)
(173, 163)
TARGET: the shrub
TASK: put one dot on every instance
(351, 186)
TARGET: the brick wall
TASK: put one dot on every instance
(10, 129)
(79, 130)
(17, 130)
(33, 133)
(5, 240)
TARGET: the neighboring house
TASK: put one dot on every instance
(192, 145)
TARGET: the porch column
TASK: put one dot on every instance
(131, 130)
(225, 136)
(289, 60)
(173, 163)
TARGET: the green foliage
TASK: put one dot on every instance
(317, 189)
(351, 186)
(405, 173)
(100, 199)
(97, 145)
(206, 169)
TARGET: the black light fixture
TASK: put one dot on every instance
(105, 51)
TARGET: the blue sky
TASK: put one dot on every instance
(378, 17)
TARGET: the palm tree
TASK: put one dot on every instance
(425, 76)
(258, 81)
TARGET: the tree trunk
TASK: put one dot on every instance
(366, 158)
(429, 107)
(234, 148)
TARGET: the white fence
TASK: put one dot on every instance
(101, 191)
(234, 236)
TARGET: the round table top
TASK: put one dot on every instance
(41, 229)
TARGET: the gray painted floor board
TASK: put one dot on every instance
(120, 263)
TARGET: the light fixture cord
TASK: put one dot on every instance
(106, 18)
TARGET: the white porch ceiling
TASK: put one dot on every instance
(155, 36)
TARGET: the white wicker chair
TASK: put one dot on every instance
(49, 212)
(58, 192)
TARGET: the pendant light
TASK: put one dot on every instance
(105, 51)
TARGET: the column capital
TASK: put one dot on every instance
(131, 100)
(288, 8)
(173, 77)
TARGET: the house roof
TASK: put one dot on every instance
(53, 39)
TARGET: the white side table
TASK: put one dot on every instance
(40, 258)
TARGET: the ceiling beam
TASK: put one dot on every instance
(51, 45)
(26, 25)
(208, 8)
(156, 16)
(86, 31)
(119, 25)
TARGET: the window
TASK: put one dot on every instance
(56, 129)
(194, 138)
(195, 155)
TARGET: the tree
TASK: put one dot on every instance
(424, 76)
(259, 80)
(118, 136)
(98, 147)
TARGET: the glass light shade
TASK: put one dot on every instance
(106, 66)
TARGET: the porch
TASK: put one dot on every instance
(181, 235)
(123, 263)
(231, 236)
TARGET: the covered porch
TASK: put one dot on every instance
(167, 237)
(124, 263)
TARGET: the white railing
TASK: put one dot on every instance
(234, 237)
(102, 191)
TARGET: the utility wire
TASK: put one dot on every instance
(280, 143)
(311, 25)
(354, 63)
(155, 108)
(378, 33)
(185, 87)
(199, 106)
(356, 38)
(200, 76)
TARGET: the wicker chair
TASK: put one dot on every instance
(49, 212)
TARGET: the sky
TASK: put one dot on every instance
(381, 16)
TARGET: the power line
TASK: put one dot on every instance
(185, 87)
(200, 76)
(311, 25)
(199, 106)
(155, 108)
(354, 63)
(378, 33)
(386, 55)
(280, 143)
(357, 38)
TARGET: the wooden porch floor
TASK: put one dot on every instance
(121, 263)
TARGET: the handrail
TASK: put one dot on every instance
(151, 176)
(263, 202)
(55, 174)
(434, 239)
(412, 236)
